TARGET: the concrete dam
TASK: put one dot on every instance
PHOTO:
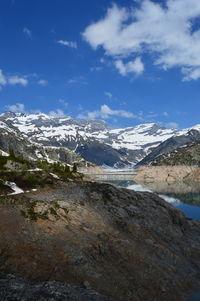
(112, 176)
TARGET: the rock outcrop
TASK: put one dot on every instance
(122, 244)
(18, 289)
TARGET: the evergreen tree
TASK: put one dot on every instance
(67, 169)
(74, 168)
(11, 152)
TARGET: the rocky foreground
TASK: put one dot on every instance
(122, 244)
(17, 289)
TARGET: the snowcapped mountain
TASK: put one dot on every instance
(11, 138)
(54, 131)
(140, 137)
(46, 129)
(92, 139)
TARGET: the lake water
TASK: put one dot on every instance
(182, 195)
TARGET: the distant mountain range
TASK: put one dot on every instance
(93, 140)
(173, 150)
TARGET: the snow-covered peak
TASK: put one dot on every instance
(196, 127)
(65, 131)
(188, 130)
(137, 137)
(9, 114)
(31, 117)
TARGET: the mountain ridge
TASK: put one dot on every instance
(171, 145)
(117, 147)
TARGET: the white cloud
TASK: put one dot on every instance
(166, 32)
(63, 102)
(191, 73)
(78, 80)
(97, 69)
(35, 112)
(151, 115)
(18, 107)
(27, 31)
(3, 80)
(72, 81)
(166, 114)
(67, 43)
(57, 113)
(105, 112)
(43, 82)
(172, 125)
(102, 60)
(12, 80)
(135, 66)
(17, 80)
(108, 94)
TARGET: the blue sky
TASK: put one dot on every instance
(127, 62)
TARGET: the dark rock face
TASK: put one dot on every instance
(17, 289)
(127, 245)
(101, 154)
(170, 145)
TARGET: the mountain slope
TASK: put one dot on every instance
(95, 142)
(127, 146)
(189, 155)
(11, 138)
(69, 132)
(102, 154)
(176, 142)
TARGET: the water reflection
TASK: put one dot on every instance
(186, 192)
(182, 195)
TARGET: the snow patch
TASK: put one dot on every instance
(139, 188)
(54, 176)
(14, 187)
(2, 153)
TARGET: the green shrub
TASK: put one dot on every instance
(43, 165)
(2, 185)
(33, 180)
(3, 161)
